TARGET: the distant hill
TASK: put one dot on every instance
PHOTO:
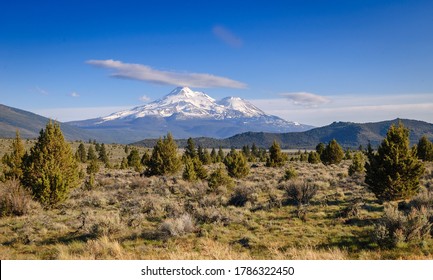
(348, 134)
(30, 124)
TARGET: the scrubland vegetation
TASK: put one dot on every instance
(165, 203)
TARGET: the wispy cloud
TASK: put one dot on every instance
(146, 73)
(227, 36)
(41, 91)
(144, 98)
(359, 108)
(74, 94)
(306, 99)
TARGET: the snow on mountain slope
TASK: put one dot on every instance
(188, 104)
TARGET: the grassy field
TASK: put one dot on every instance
(126, 216)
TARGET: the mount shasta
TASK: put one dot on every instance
(186, 113)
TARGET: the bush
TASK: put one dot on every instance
(242, 195)
(394, 172)
(357, 166)
(301, 192)
(290, 174)
(178, 226)
(219, 178)
(14, 199)
(397, 227)
(313, 157)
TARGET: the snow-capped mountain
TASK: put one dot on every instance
(188, 113)
(184, 103)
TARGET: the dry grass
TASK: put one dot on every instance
(131, 217)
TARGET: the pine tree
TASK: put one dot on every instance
(50, 170)
(425, 149)
(204, 157)
(189, 171)
(134, 160)
(214, 156)
(320, 148)
(358, 163)
(93, 167)
(91, 154)
(221, 155)
(393, 172)
(276, 157)
(81, 154)
(255, 150)
(219, 178)
(190, 150)
(333, 153)
(13, 160)
(237, 165)
(313, 157)
(199, 169)
(103, 154)
(165, 158)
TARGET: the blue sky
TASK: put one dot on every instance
(308, 61)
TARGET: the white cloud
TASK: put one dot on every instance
(146, 73)
(227, 36)
(74, 94)
(144, 98)
(306, 99)
(41, 91)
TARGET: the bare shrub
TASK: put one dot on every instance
(104, 226)
(212, 215)
(397, 227)
(301, 192)
(242, 195)
(15, 200)
(177, 226)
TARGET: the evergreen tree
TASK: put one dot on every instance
(255, 151)
(103, 154)
(50, 170)
(13, 160)
(190, 150)
(214, 156)
(81, 154)
(145, 158)
(276, 157)
(320, 148)
(425, 149)
(124, 163)
(393, 172)
(237, 165)
(91, 154)
(221, 155)
(134, 160)
(313, 157)
(93, 167)
(204, 157)
(97, 147)
(189, 171)
(333, 153)
(358, 163)
(165, 158)
(219, 178)
(199, 169)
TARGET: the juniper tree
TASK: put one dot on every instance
(50, 170)
(393, 172)
(213, 155)
(190, 150)
(91, 154)
(332, 154)
(165, 158)
(103, 154)
(237, 165)
(134, 160)
(425, 149)
(313, 157)
(81, 154)
(221, 155)
(13, 160)
(358, 163)
(276, 157)
(189, 171)
(320, 148)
